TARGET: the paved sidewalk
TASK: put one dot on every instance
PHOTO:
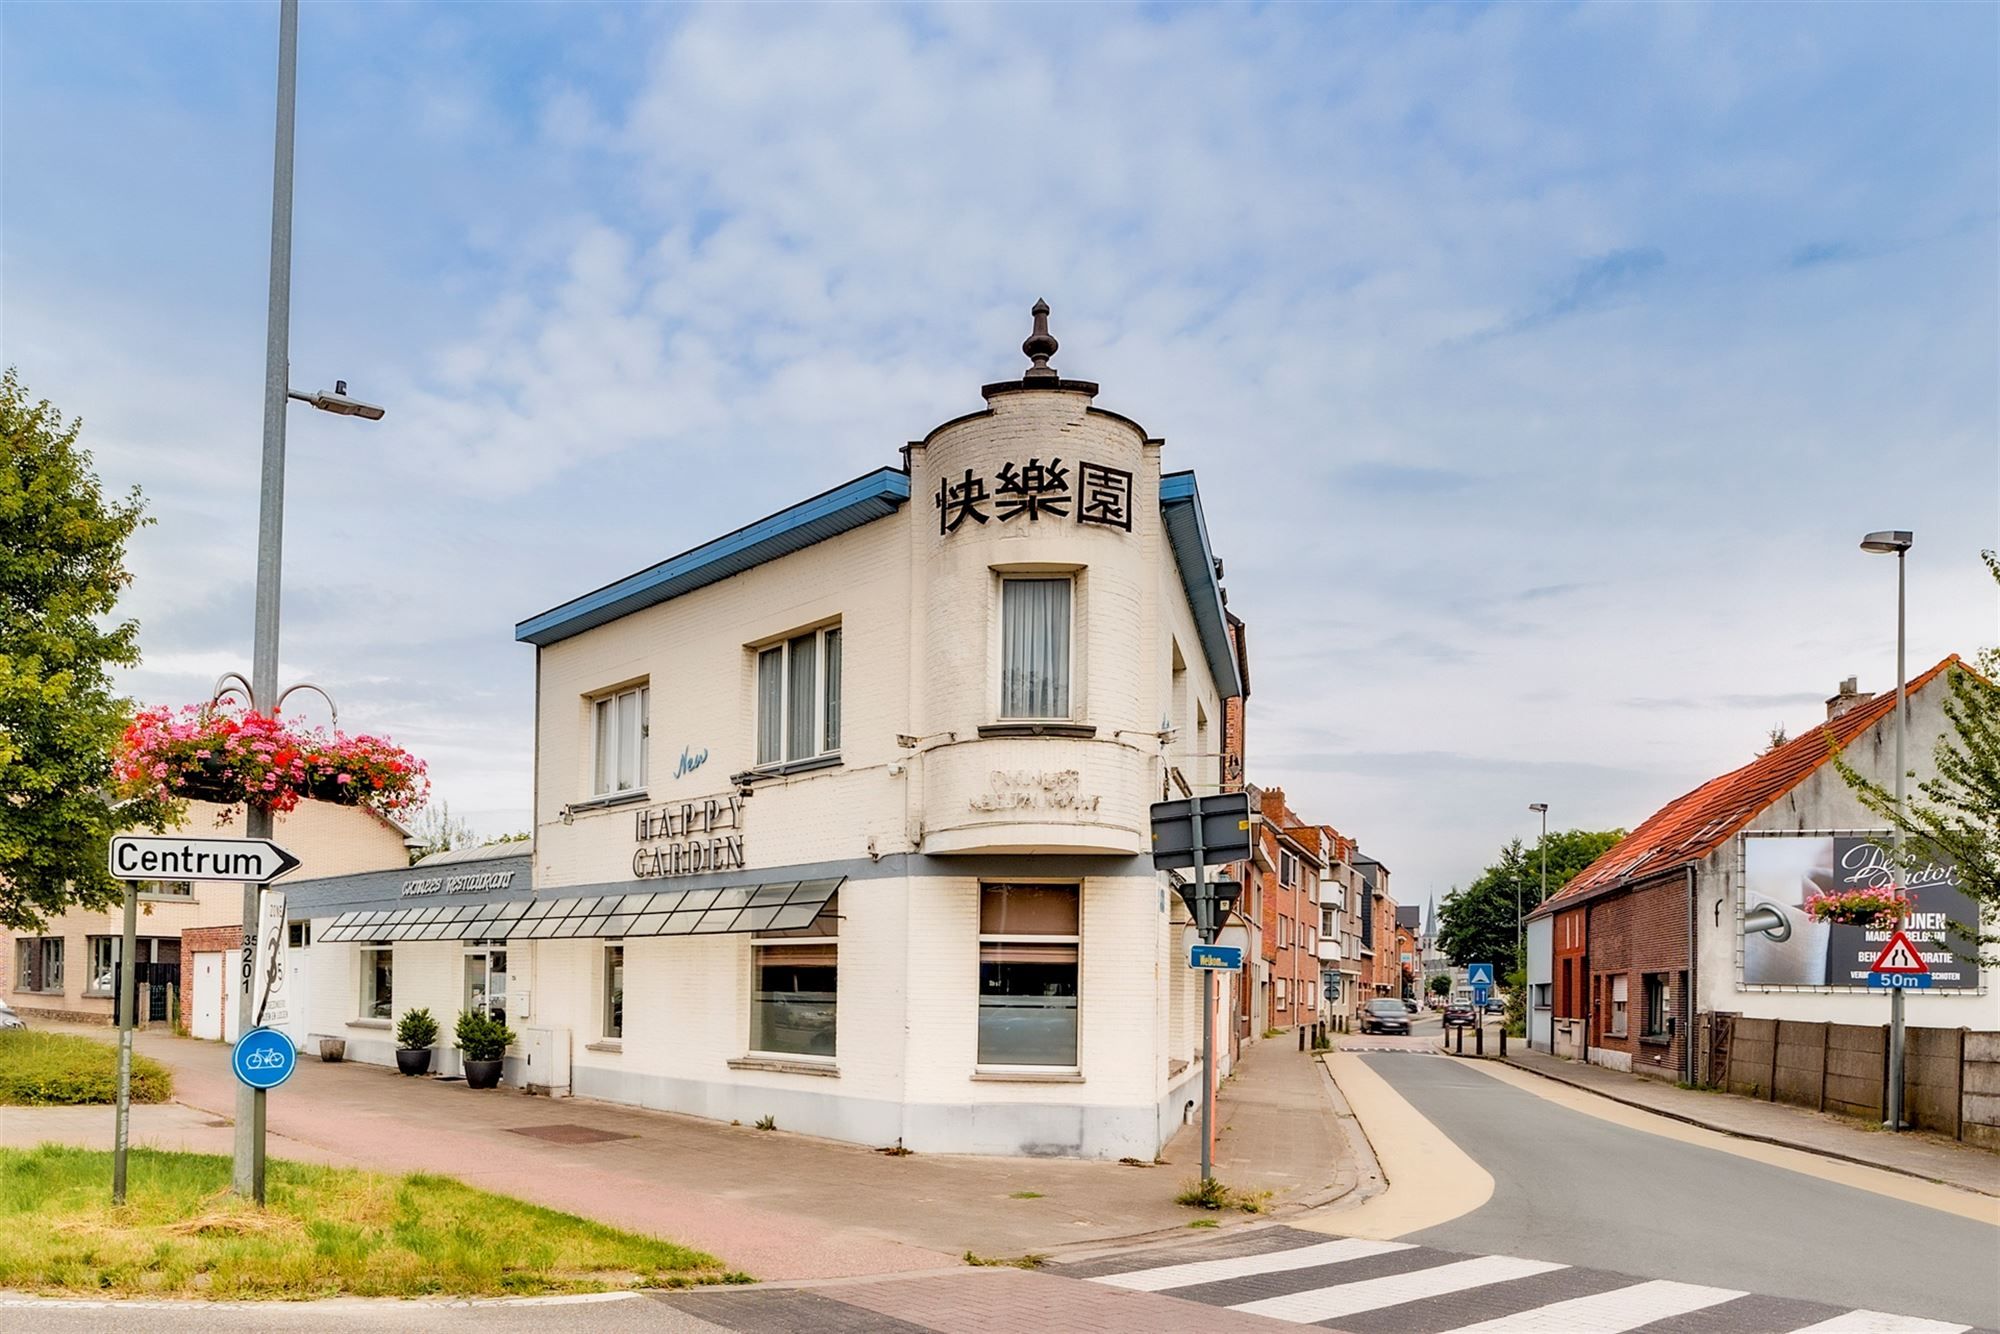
(1912, 1153)
(776, 1205)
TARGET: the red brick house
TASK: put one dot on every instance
(1287, 868)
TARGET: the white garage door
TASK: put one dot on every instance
(207, 993)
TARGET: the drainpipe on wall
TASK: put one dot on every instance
(1693, 987)
(1589, 983)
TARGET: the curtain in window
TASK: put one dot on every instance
(607, 745)
(1034, 648)
(630, 720)
(770, 706)
(832, 737)
(799, 690)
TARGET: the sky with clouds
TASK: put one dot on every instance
(1541, 364)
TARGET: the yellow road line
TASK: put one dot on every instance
(1431, 1180)
(1894, 1185)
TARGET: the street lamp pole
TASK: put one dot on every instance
(1897, 542)
(1528, 1000)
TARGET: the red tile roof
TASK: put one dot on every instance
(1690, 827)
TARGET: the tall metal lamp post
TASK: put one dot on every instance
(1896, 542)
(248, 1175)
(1528, 1000)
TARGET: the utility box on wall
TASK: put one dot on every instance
(545, 1061)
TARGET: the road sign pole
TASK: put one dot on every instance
(1209, 930)
(127, 1016)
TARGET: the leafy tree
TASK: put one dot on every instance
(1956, 813)
(1478, 925)
(438, 830)
(62, 567)
(1774, 739)
(1440, 985)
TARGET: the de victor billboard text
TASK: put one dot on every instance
(1779, 872)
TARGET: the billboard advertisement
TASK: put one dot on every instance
(1780, 872)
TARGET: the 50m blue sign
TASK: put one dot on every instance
(264, 1058)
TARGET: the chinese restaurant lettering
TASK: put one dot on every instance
(1101, 495)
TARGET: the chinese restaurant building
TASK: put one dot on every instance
(842, 818)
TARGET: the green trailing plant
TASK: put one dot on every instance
(416, 1029)
(767, 1123)
(481, 1037)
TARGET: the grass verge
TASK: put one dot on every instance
(63, 1070)
(1208, 1193)
(326, 1231)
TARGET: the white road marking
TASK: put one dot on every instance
(1880, 1322)
(1373, 1294)
(1608, 1312)
(1243, 1266)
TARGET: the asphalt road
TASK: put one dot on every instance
(1582, 1191)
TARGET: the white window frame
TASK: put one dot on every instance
(1281, 992)
(780, 941)
(603, 774)
(1288, 869)
(605, 1028)
(1019, 938)
(1000, 639)
(823, 706)
(109, 945)
(1620, 1005)
(365, 997)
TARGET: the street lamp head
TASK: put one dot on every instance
(1893, 541)
(337, 402)
(1539, 807)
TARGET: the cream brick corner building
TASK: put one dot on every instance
(841, 818)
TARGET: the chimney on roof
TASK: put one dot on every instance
(1850, 696)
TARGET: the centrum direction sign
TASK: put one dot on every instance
(255, 861)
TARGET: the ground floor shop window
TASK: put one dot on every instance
(1657, 1002)
(1618, 1005)
(38, 963)
(1028, 943)
(378, 972)
(796, 986)
(486, 978)
(614, 991)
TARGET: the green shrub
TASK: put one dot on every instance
(63, 1070)
(481, 1037)
(416, 1029)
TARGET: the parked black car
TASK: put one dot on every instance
(1385, 1016)
(1458, 1016)
(1409, 1005)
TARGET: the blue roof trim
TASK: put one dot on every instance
(829, 514)
(1187, 533)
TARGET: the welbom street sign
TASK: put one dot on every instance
(264, 1058)
(1220, 958)
(255, 861)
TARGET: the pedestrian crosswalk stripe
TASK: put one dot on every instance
(1880, 1322)
(1372, 1294)
(1608, 1312)
(1244, 1266)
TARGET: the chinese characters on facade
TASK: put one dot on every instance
(1101, 495)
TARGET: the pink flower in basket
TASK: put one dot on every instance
(1882, 907)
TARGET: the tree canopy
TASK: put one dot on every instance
(62, 567)
(1957, 813)
(1477, 923)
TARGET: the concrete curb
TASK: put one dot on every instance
(1556, 1078)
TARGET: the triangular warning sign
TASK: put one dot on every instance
(1899, 956)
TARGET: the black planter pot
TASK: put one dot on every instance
(482, 1074)
(413, 1060)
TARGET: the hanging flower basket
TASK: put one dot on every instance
(209, 754)
(1881, 907)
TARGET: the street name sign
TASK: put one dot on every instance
(1899, 966)
(264, 1058)
(1217, 958)
(254, 861)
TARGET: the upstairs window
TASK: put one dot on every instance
(619, 725)
(1288, 869)
(798, 698)
(1035, 648)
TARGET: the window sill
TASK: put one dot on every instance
(370, 1023)
(785, 770)
(1015, 1075)
(101, 995)
(1656, 1039)
(787, 1065)
(589, 804)
(166, 898)
(605, 1044)
(1079, 731)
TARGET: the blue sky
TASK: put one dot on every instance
(1542, 365)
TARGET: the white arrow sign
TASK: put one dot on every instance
(163, 857)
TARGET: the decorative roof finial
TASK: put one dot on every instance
(1040, 345)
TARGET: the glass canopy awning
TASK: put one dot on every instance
(785, 905)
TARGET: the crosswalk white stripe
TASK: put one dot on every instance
(1243, 1266)
(1607, 1312)
(1372, 1294)
(1881, 1322)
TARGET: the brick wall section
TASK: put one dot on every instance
(209, 939)
(1633, 934)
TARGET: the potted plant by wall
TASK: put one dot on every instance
(415, 1032)
(482, 1043)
